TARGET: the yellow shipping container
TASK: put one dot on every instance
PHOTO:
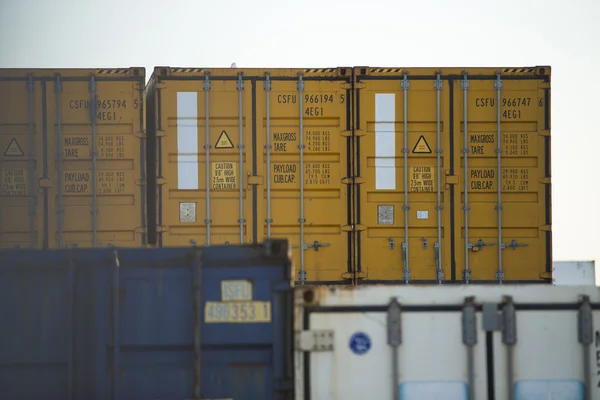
(72, 158)
(232, 166)
(420, 216)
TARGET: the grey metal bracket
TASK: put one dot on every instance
(469, 322)
(501, 319)
(394, 324)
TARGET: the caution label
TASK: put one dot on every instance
(224, 175)
(13, 149)
(224, 142)
(421, 147)
(421, 179)
(14, 182)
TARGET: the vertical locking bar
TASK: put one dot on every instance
(585, 336)
(240, 89)
(116, 327)
(406, 271)
(465, 151)
(268, 148)
(70, 333)
(498, 86)
(31, 171)
(196, 271)
(394, 340)
(206, 88)
(59, 157)
(94, 161)
(302, 273)
(469, 325)
(509, 338)
(438, 246)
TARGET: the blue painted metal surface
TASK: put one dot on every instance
(76, 321)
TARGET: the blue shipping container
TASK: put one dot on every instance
(170, 323)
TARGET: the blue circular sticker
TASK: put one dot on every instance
(360, 343)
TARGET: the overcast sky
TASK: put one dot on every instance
(437, 33)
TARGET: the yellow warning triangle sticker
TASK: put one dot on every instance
(421, 147)
(13, 149)
(223, 142)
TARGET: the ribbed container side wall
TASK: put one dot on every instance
(247, 154)
(438, 202)
(50, 121)
(456, 342)
(147, 323)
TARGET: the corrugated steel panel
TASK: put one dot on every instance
(420, 216)
(233, 167)
(69, 179)
(429, 342)
(154, 323)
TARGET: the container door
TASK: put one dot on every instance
(97, 195)
(403, 159)
(21, 162)
(205, 156)
(303, 165)
(503, 151)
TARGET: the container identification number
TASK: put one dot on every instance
(237, 312)
(106, 109)
(315, 104)
(512, 107)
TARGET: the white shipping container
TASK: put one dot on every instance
(503, 342)
(574, 273)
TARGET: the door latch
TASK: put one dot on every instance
(513, 245)
(392, 244)
(479, 245)
(315, 245)
(424, 243)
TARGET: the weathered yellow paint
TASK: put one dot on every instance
(524, 175)
(61, 105)
(270, 191)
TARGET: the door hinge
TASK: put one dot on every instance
(451, 179)
(314, 340)
(254, 180)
